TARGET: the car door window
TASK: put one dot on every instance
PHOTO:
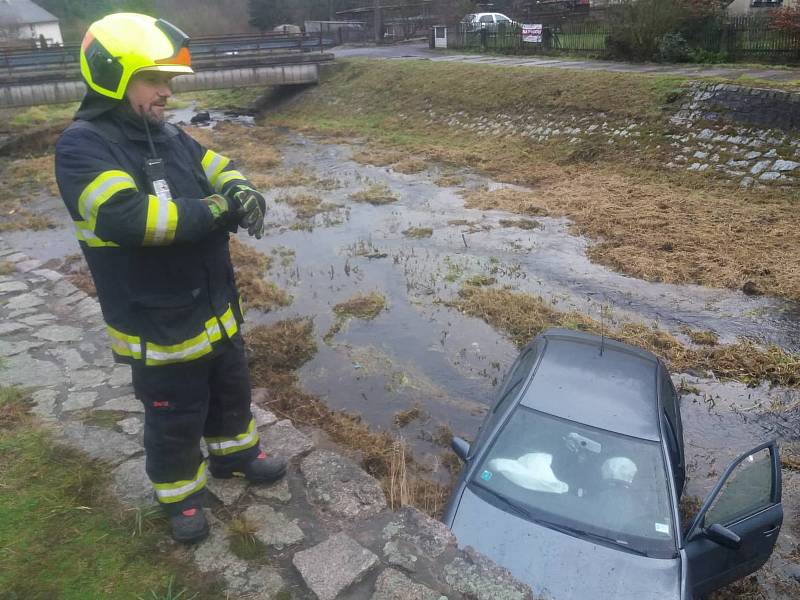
(487, 19)
(669, 401)
(519, 370)
(748, 490)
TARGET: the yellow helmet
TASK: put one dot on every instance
(119, 45)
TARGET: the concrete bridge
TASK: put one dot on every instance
(52, 76)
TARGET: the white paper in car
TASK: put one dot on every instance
(531, 471)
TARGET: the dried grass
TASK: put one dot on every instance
(375, 194)
(14, 406)
(21, 219)
(251, 147)
(249, 266)
(744, 589)
(417, 233)
(282, 346)
(33, 173)
(526, 224)
(504, 198)
(306, 206)
(449, 180)
(702, 338)
(522, 316)
(243, 540)
(362, 306)
(404, 417)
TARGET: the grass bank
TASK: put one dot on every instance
(646, 220)
(522, 316)
(63, 535)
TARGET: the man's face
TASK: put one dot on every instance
(148, 92)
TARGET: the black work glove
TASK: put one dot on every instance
(251, 209)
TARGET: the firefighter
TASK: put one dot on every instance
(153, 210)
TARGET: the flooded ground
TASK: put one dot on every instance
(419, 352)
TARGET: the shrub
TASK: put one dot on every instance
(639, 27)
(674, 48)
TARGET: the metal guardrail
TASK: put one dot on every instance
(21, 62)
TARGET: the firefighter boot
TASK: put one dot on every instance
(189, 526)
(265, 469)
(262, 469)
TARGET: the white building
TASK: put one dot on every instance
(22, 20)
(755, 7)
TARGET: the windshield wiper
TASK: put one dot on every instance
(591, 535)
(514, 506)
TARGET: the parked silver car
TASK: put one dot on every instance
(575, 478)
(490, 21)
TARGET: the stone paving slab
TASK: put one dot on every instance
(340, 487)
(334, 565)
(273, 528)
(393, 585)
(282, 439)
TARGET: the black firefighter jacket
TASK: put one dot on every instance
(162, 270)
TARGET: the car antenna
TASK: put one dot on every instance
(602, 329)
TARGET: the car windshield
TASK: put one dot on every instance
(585, 481)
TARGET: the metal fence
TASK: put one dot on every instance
(736, 39)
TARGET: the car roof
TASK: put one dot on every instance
(614, 390)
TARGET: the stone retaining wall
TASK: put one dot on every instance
(765, 108)
(325, 528)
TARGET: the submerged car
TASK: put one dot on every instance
(575, 478)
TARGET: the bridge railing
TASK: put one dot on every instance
(202, 48)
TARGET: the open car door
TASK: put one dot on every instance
(735, 531)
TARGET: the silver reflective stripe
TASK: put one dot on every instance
(212, 167)
(91, 199)
(248, 439)
(117, 344)
(177, 354)
(161, 222)
(184, 489)
(230, 325)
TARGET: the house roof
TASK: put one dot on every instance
(23, 12)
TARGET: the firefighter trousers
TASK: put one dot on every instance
(185, 402)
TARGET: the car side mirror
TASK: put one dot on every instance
(460, 447)
(723, 536)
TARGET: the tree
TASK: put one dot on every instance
(787, 19)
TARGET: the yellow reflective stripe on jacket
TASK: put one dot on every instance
(225, 177)
(103, 187)
(213, 165)
(229, 322)
(196, 347)
(85, 234)
(162, 220)
(176, 491)
(124, 344)
(222, 446)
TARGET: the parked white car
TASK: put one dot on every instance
(487, 20)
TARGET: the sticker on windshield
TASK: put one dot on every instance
(486, 475)
(662, 528)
